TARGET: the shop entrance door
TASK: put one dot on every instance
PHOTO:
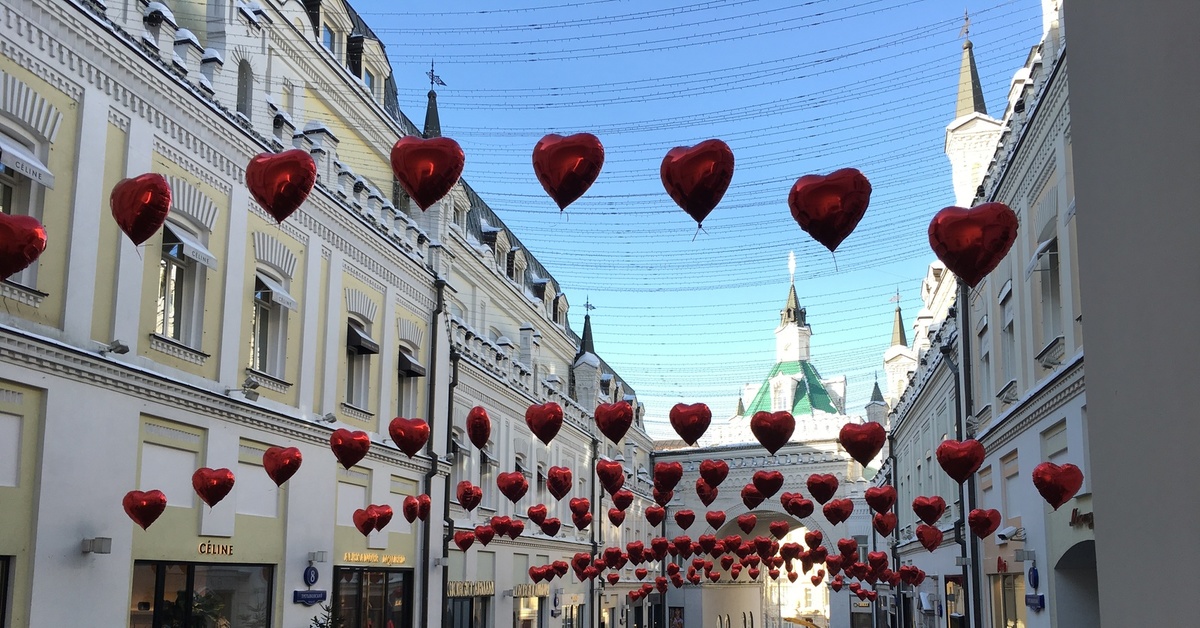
(373, 598)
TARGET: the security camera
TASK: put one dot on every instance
(1007, 533)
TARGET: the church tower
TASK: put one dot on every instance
(971, 137)
(898, 361)
(793, 334)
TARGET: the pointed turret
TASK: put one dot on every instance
(876, 394)
(433, 124)
(791, 337)
(898, 337)
(792, 312)
(970, 90)
(585, 371)
(587, 345)
(741, 409)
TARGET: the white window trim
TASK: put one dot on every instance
(194, 279)
(277, 326)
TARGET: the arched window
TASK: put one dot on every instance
(245, 88)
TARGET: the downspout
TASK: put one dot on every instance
(960, 535)
(448, 522)
(964, 295)
(595, 529)
(427, 486)
(900, 603)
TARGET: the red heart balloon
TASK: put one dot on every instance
(768, 482)
(536, 574)
(579, 505)
(813, 538)
(685, 518)
(581, 520)
(662, 498)
(410, 435)
(753, 572)
(513, 485)
(773, 429)
(747, 522)
(983, 522)
(365, 520)
(690, 421)
(281, 463)
(464, 539)
(640, 573)
(140, 205)
(1057, 484)
(349, 447)
(929, 509)
(971, 242)
(877, 560)
(613, 577)
(567, 166)
(727, 562)
(667, 475)
(544, 420)
(816, 578)
(212, 485)
(484, 534)
(614, 420)
(714, 471)
(751, 497)
(929, 536)
(881, 498)
(799, 507)
(479, 427)
(714, 575)
(558, 482)
(636, 551)
(427, 168)
(616, 516)
(863, 441)
(834, 563)
(611, 474)
(848, 548)
(144, 508)
(715, 518)
(383, 515)
(836, 584)
(410, 508)
(424, 503)
(838, 510)
(655, 515)
(537, 514)
(622, 498)
(696, 177)
(779, 529)
(281, 181)
(22, 240)
(960, 459)
(551, 526)
(502, 525)
(735, 571)
(884, 523)
(822, 486)
(829, 207)
(515, 528)
(469, 495)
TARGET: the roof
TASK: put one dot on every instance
(970, 91)
(433, 123)
(810, 392)
(876, 394)
(898, 337)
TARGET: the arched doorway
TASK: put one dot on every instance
(1077, 596)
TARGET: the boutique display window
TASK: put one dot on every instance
(469, 612)
(528, 612)
(373, 598)
(200, 595)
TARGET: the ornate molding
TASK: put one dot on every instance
(118, 119)
(267, 381)
(177, 350)
(1065, 386)
(21, 294)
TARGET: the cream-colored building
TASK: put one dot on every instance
(127, 368)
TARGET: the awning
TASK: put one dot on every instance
(278, 294)
(359, 342)
(192, 247)
(14, 155)
(409, 367)
(1037, 255)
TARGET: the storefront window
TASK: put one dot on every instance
(468, 612)
(1008, 600)
(4, 591)
(188, 595)
(528, 613)
(373, 598)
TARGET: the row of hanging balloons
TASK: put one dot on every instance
(971, 242)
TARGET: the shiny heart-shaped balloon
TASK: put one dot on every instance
(696, 177)
(349, 447)
(636, 551)
(834, 563)
(690, 421)
(484, 534)
(469, 495)
(212, 485)
(822, 486)
(579, 505)
(829, 207)
(685, 518)
(567, 166)
(427, 168)
(714, 576)
(779, 529)
(838, 510)
(614, 420)
(558, 481)
(960, 459)
(819, 555)
(613, 577)
(747, 522)
(753, 572)
(971, 242)
(544, 420)
(140, 205)
(767, 482)
(22, 241)
(479, 427)
(616, 516)
(410, 435)
(622, 498)
(1057, 484)
(281, 181)
(929, 536)
(383, 515)
(836, 584)
(751, 497)
(611, 474)
(281, 463)
(144, 508)
(773, 429)
(581, 520)
(929, 509)
(560, 567)
(714, 471)
(884, 523)
(881, 498)
(667, 475)
(640, 573)
(863, 441)
(364, 520)
(848, 548)
(464, 539)
(513, 485)
(799, 507)
(501, 524)
(682, 545)
(655, 515)
(877, 560)
(515, 528)
(551, 526)
(410, 508)
(537, 514)
(708, 543)
(983, 522)
(536, 574)
(790, 551)
(662, 498)
(813, 538)
(424, 503)
(715, 518)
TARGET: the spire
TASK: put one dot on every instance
(877, 394)
(898, 337)
(587, 345)
(792, 312)
(741, 409)
(970, 91)
(433, 125)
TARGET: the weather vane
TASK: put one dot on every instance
(433, 78)
(966, 29)
(587, 305)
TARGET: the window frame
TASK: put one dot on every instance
(27, 195)
(190, 295)
(358, 366)
(245, 89)
(274, 336)
(157, 612)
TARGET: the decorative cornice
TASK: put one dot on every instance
(21, 294)
(177, 350)
(1066, 385)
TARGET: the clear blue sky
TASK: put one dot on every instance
(793, 87)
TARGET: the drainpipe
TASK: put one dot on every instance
(427, 485)
(964, 295)
(960, 533)
(595, 528)
(900, 603)
(448, 523)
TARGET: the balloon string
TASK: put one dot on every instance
(563, 214)
(699, 228)
(834, 256)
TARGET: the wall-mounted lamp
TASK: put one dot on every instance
(318, 556)
(116, 347)
(248, 390)
(98, 545)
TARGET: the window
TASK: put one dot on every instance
(1008, 348)
(166, 595)
(245, 89)
(1010, 495)
(289, 98)
(19, 169)
(409, 370)
(268, 325)
(542, 493)
(359, 349)
(369, 81)
(462, 458)
(181, 286)
(487, 476)
(1008, 597)
(373, 597)
(528, 612)
(1051, 296)
(469, 612)
(570, 617)
(329, 40)
(4, 562)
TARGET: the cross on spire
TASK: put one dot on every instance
(966, 28)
